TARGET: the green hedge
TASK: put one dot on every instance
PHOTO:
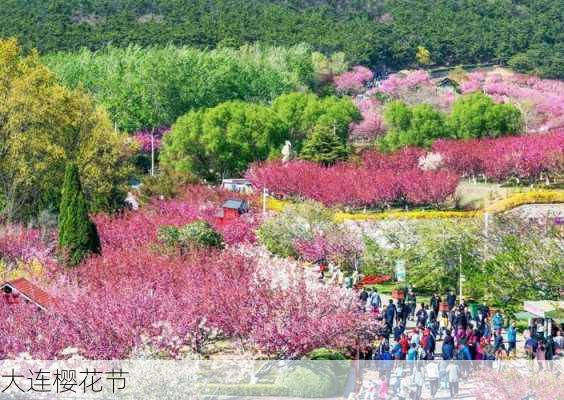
(220, 389)
(300, 381)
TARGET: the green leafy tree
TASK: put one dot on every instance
(302, 112)
(542, 59)
(523, 262)
(324, 146)
(78, 236)
(477, 115)
(423, 56)
(42, 127)
(144, 88)
(295, 222)
(511, 262)
(369, 32)
(223, 140)
(416, 126)
(398, 115)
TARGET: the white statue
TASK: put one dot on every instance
(287, 152)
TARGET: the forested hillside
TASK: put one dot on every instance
(527, 34)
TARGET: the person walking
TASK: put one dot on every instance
(435, 303)
(390, 313)
(404, 343)
(497, 321)
(531, 345)
(559, 343)
(418, 382)
(448, 346)
(376, 301)
(443, 324)
(412, 353)
(498, 341)
(451, 300)
(398, 330)
(512, 339)
(550, 348)
(412, 303)
(432, 371)
(422, 316)
(453, 372)
(399, 311)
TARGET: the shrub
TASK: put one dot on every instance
(326, 354)
(309, 382)
(194, 235)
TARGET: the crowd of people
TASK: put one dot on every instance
(403, 381)
(481, 335)
(464, 333)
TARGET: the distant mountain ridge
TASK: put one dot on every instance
(529, 34)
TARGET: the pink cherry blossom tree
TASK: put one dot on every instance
(354, 81)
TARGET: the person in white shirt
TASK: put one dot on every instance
(453, 372)
(559, 342)
(432, 370)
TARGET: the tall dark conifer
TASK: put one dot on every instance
(78, 236)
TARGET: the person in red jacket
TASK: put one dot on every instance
(404, 343)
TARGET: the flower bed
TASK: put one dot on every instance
(534, 197)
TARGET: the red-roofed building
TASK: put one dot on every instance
(21, 289)
(231, 210)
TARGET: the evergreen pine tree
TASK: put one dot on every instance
(324, 146)
(78, 235)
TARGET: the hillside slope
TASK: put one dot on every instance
(373, 32)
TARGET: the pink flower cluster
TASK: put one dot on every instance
(523, 157)
(354, 186)
(146, 139)
(398, 83)
(18, 243)
(540, 100)
(135, 297)
(199, 202)
(353, 81)
(332, 246)
(372, 123)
